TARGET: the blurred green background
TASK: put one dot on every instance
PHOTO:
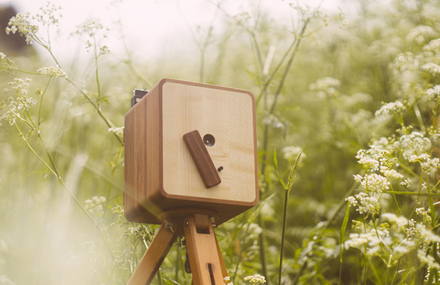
(318, 81)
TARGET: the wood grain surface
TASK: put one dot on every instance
(201, 158)
(207, 265)
(228, 116)
(160, 173)
(153, 258)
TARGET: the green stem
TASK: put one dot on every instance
(241, 252)
(286, 198)
(34, 152)
(98, 86)
(413, 194)
(394, 197)
(41, 102)
(107, 121)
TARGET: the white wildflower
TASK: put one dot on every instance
(94, 205)
(273, 121)
(433, 93)
(427, 259)
(326, 85)
(292, 152)
(364, 203)
(430, 165)
(391, 173)
(420, 34)
(406, 182)
(391, 108)
(432, 45)
(255, 279)
(431, 68)
(372, 239)
(399, 221)
(52, 71)
(373, 182)
(413, 146)
(95, 30)
(119, 131)
(427, 235)
(424, 214)
(2, 55)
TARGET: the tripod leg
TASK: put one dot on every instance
(152, 259)
(204, 256)
(222, 262)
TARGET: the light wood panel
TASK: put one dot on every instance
(225, 114)
(160, 173)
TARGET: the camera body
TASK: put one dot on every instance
(177, 135)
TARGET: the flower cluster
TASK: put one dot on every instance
(431, 68)
(424, 215)
(416, 147)
(15, 107)
(390, 109)
(421, 34)
(118, 131)
(371, 238)
(433, 46)
(433, 93)
(27, 25)
(94, 205)
(374, 183)
(292, 152)
(94, 30)
(326, 85)
(255, 279)
(21, 23)
(52, 71)
(365, 204)
(48, 14)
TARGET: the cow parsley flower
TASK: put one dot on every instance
(94, 205)
(52, 71)
(364, 203)
(390, 109)
(420, 34)
(255, 279)
(118, 131)
(413, 146)
(372, 182)
(424, 215)
(431, 68)
(427, 259)
(292, 152)
(433, 93)
(326, 85)
(432, 45)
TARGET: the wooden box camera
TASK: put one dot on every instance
(190, 145)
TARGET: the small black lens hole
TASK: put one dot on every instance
(209, 140)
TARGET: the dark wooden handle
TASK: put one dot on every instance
(202, 159)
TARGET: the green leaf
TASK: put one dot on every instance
(275, 162)
(343, 228)
(292, 176)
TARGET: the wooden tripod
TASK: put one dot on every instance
(205, 258)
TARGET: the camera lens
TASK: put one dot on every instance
(208, 140)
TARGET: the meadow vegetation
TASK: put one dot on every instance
(348, 146)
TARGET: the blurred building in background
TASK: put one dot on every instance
(12, 44)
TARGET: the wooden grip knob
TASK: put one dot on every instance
(202, 159)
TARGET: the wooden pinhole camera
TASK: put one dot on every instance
(190, 145)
